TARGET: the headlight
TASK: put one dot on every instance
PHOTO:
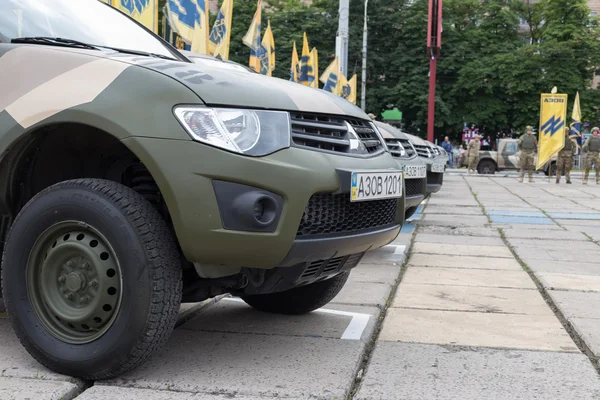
(250, 132)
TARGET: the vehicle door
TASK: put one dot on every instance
(507, 154)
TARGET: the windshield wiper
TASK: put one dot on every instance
(56, 41)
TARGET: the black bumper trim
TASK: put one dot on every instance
(327, 246)
(412, 201)
(433, 188)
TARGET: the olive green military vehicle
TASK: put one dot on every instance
(132, 179)
(433, 159)
(506, 158)
(415, 171)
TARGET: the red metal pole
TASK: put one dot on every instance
(431, 108)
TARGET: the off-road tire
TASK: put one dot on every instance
(486, 167)
(299, 300)
(149, 264)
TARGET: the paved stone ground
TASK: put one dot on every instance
(462, 318)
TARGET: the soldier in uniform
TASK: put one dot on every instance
(473, 154)
(593, 147)
(527, 145)
(565, 157)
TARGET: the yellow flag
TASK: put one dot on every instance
(576, 118)
(295, 67)
(307, 74)
(200, 36)
(314, 60)
(352, 83)
(252, 38)
(553, 114)
(221, 32)
(144, 12)
(267, 52)
(331, 77)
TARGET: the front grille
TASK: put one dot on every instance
(435, 178)
(322, 268)
(410, 151)
(329, 133)
(414, 186)
(394, 148)
(423, 151)
(335, 213)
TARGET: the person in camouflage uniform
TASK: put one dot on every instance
(473, 154)
(527, 145)
(593, 147)
(565, 157)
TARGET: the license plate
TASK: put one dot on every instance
(375, 185)
(415, 171)
(437, 167)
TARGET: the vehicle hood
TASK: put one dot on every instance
(227, 87)
(390, 132)
(416, 140)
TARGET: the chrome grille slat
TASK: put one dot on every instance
(423, 151)
(331, 133)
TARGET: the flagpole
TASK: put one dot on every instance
(363, 86)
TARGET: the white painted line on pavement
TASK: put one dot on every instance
(357, 325)
(353, 331)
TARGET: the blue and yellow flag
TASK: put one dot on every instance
(348, 88)
(576, 119)
(189, 19)
(220, 35)
(267, 52)
(252, 39)
(143, 11)
(553, 115)
(295, 67)
(331, 77)
(307, 73)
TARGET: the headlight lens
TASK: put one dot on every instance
(250, 132)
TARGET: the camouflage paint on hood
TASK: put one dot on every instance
(229, 87)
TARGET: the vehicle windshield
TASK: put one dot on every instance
(88, 21)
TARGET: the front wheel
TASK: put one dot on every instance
(486, 167)
(91, 278)
(299, 300)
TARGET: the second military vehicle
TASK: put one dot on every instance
(415, 171)
(433, 159)
(506, 158)
(132, 179)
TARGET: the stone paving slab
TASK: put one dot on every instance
(562, 267)
(579, 223)
(365, 272)
(15, 362)
(468, 277)
(249, 365)
(558, 255)
(589, 332)
(464, 210)
(364, 293)
(465, 298)
(553, 233)
(443, 261)
(584, 283)
(451, 220)
(333, 321)
(38, 389)
(482, 241)
(515, 331)
(577, 304)
(501, 220)
(459, 231)
(102, 392)
(388, 255)
(462, 250)
(415, 371)
(530, 227)
(570, 246)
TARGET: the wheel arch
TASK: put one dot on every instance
(57, 151)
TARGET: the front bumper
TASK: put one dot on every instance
(189, 173)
